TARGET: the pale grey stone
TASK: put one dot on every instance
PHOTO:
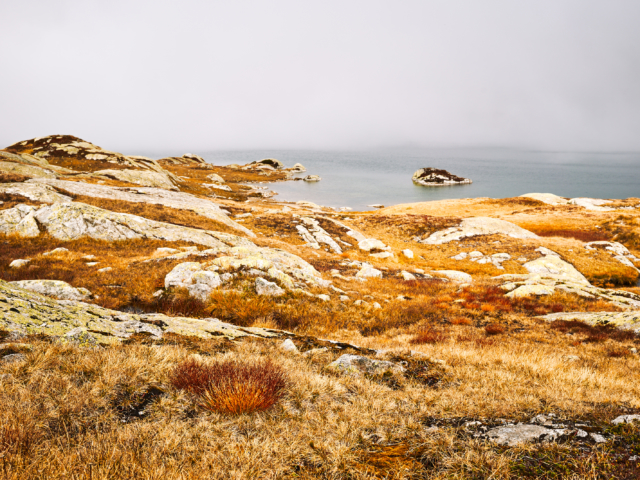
(264, 287)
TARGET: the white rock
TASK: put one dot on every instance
(18, 263)
(513, 435)
(54, 288)
(407, 253)
(471, 227)
(367, 271)
(548, 198)
(106, 269)
(289, 346)
(553, 265)
(456, 276)
(167, 250)
(591, 204)
(55, 251)
(344, 298)
(371, 244)
(546, 251)
(376, 305)
(323, 297)
(460, 256)
(626, 419)
(528, 290)
(381, 255)
(356, 364)
(406, 276)
(190, 275)
(264, 287)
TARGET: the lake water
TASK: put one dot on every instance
(357, 179)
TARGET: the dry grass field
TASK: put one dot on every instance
(188, 408)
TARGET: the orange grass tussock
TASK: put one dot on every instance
(232, 387)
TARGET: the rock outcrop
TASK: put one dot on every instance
(626, 320)
(68, 221)
(312, 178)
(28, 312)
(288, 270)
(476, 226)
(271, 162)
(550, 273)
(158, 196)
(54, 288)
(35, 191)
(358, 365)
(145, 178)
(68, 146)
(548, 198)
(617, 250)
(434, 177)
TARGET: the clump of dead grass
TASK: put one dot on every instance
(232, 387)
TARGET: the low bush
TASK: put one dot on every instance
(232, 387)
(494, 329)
(429, 336)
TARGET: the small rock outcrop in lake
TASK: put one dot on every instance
(312, 178)
(272, 162)
(434, 177)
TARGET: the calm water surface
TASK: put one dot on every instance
(357, 179)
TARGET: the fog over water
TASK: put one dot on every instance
(200, 76)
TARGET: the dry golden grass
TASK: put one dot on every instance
(111, 412)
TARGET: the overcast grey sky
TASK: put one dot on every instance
(202, 75)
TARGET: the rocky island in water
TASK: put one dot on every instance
(171, 317)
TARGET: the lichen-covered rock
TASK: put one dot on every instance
(456, 276)
(626, 419)
(315, 235)
(68, 146)
(159, 196)
(264, 287)
(434, 177)
(68, 221)
(194, 158)
(35, 192)
(407, 253)
(476, 226)
(19, 220)
(54, 288)
(26, 170)
(625, 320)
(191, 275)
(406, 276)
(146, 178)
(271, 162)
(28, 312)
(357, 365)
(554, 265)
(514, 435)
(298, 167)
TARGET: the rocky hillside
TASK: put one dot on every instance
(168, 317)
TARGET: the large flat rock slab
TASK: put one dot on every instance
(158, 196)
(476, 226)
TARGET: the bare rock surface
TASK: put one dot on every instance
(456, 276)
(357, 365)
(67, 221)
(626, 320)
(54, 288)
(475, 226)
(434, 177)
(23, 311)
(145, 178)
(35, 191)
(265, 287)
(554, 265)
(26, 170)
(178, 200)
(592, 204)
(548, 198)
(190, 275)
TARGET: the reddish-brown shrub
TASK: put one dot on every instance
(557, 308)
(583, 235)
(488, 308)
(618, 352)
(484, 342)
(429, 336)
(494, 329)
(232, 387)
(460, 320)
